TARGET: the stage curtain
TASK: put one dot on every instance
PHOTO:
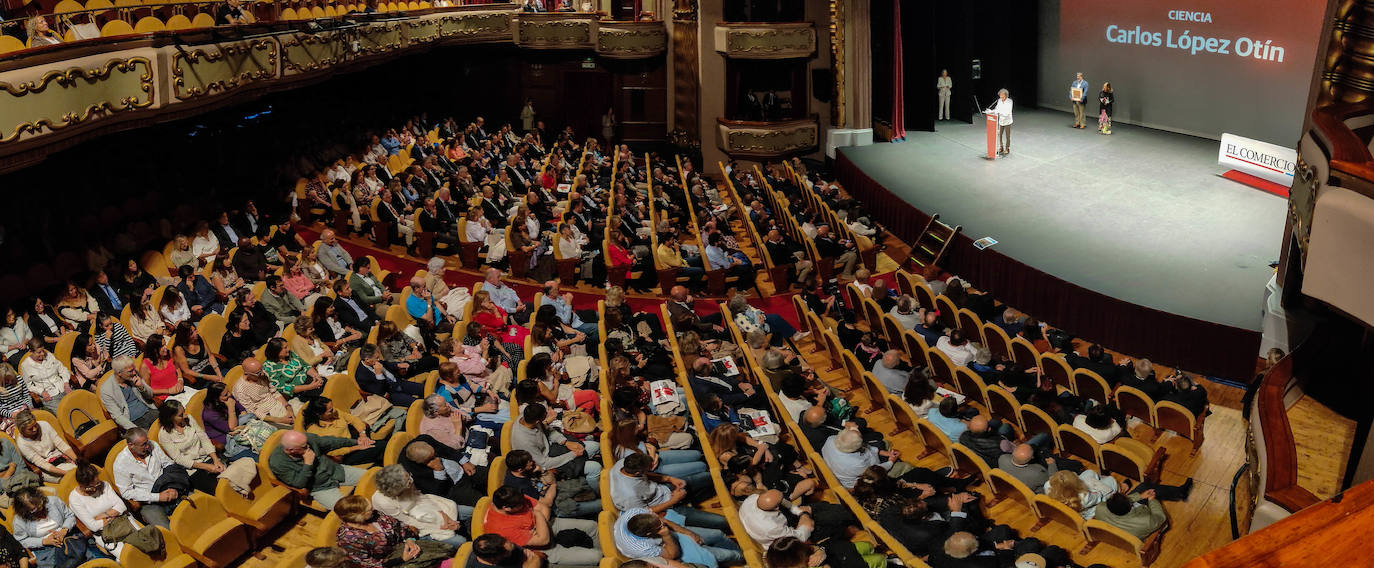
(1194, 345)
(898, 96)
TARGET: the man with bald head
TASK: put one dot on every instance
(960, 550)
(764, 520)
(892, 372)
(1021, 464)
(681, 308)
(302, 461)
(332, 255)
(505, 297)
(257, 395)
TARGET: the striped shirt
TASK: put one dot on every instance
(15, 397)
(634, 546)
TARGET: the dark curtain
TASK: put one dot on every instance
(1194, 345)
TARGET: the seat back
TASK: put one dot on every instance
(949, 314)
(877, 393)
(1134, 402)
(1174, 417)
(496, 474)
(905, 282)
(940, 366)
(853, 369)
(904, 417)
(211, 329)
(343, 390)
(800, 308)
(1102, 533)
(996, 340)
(891, 329)
(1006, 487)
(1057, 368)
(1051, 511)
(1079, 444)
(1121, 461)
(367, 484)
(968, 462)
(1090, 385)
(874, 315)
(479, 515)
(971, 325)
(971, 385)
(916, 348)
(414, 415)
(1035, 421)
(328, 532)
(1002, 404)
(936, 441)
(923, 295)
(395, 446)
(1024, 352)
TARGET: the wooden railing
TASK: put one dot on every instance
(1280, 449)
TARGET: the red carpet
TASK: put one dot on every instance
(1256, 182)
(405, 267)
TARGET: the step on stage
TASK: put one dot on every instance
(1132, 239)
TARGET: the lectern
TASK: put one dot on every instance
(992, 135)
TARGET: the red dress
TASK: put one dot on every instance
(621, 258)
(495, 324)
(161, 378)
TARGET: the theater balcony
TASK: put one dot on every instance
(767, 140)
(151, 62)
(754, 40)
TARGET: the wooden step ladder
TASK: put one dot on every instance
(931, 246)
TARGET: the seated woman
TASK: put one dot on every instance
(220, 415)
(554, 388)
(288, 373)
(749, 318)
(308, 347)
(495, 322)
(1080, 492)
(225, 279)
(402, 353)
(336, 337)
(89, 362)
(322, 418)
(629, 436)
(373, 539)
(184, 441)
(144, 319)
(434, 517)
(773, 466)
(112, 337)
(197, 364)
(43, 446)
(45, 526)
(94, 503)
(77, 308)
(173, 309)
(238, 342)
(300, 284)
(1097, 423)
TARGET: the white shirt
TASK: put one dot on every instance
(944, 84)
(134, 478)
(86, 508)
(206, 244)
(960, 355)
(795, 407)
(421, 512)
(767, 526)
(1002, 108)
(48, 377)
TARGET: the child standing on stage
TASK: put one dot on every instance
(1104, 114)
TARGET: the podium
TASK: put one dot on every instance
(992, 135)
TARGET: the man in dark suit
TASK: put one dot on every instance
(737, 394)
(784, 251)
(680, 309)
(253, 223)
(431, 221)
(960, 550)
(225, 231)
(491, 209)
(250, 262)
(1097, 361)
(261, 323)
(105, 295)
(842, 251)
(1186, 392)
(375, 377)
(1141, 375)
(520, 181)
(350, 311)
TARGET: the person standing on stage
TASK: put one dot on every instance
(1002, 108)
(1078, 94)
(1104, 114)
(943, 84)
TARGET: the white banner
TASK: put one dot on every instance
(1259, 159)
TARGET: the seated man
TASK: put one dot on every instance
(562, 303)
(1188, 393)
(949, 418)
(301, 461)
(550, 449)
(350, 312)
(542, 485)
(961, 550)
(732, 391)
(367, 289)
(440, 470)
(198, 293)
(763, 518)
(505, 297)
(1139, 517)
(527, 523)
(984, 441)
(1021, 465)
(930, 328)
(283, 305)
(136, 469)
(495, 550)
(260, 399)
(840, 251)
(634, 485)
(127, 397)
(906, 312)
(644, 534)
(669, 255)
(374, 377)
(733, 265)
(892, 372)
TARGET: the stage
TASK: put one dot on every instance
(1092, 229)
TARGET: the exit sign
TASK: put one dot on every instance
(589, 65)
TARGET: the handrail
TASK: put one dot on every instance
(812, 119)
(1235, 482)
(1280, 448)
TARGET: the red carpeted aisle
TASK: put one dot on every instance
(406, 266)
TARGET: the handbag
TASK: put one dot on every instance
(146, 539)
(254, 434)
(663, 397)
(83, 427)
(432, 552)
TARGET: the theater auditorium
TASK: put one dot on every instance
(686, 283)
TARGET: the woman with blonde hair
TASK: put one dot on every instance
(1080, 492)
(40, 33)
